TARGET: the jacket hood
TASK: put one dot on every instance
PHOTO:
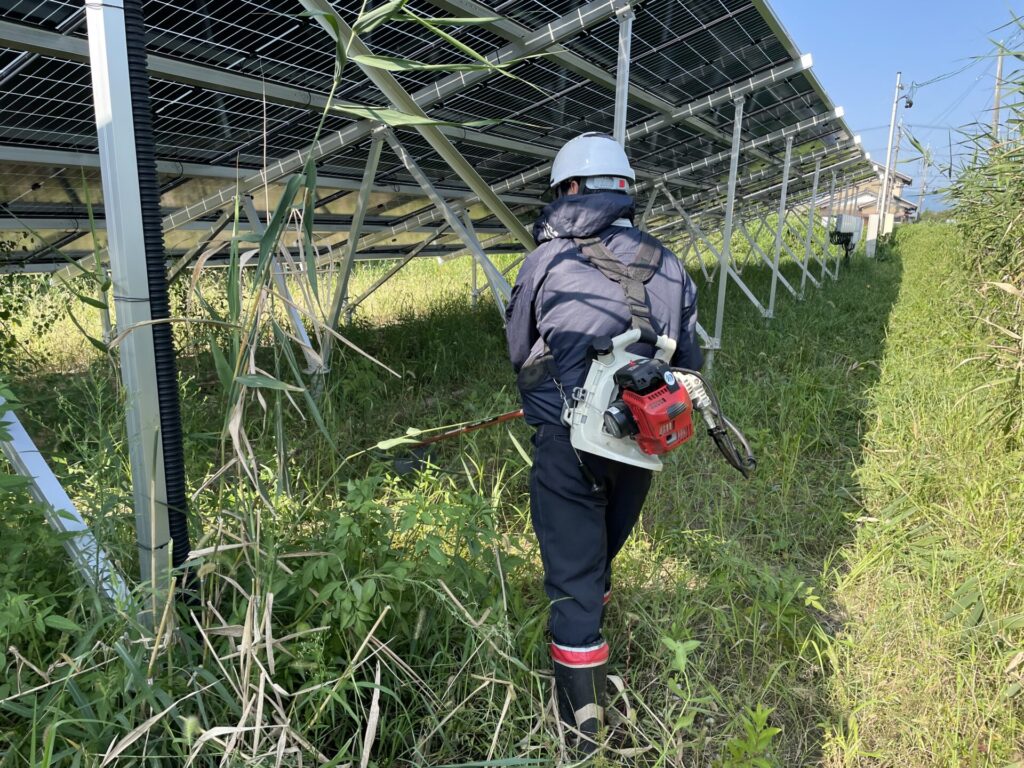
(581, 215)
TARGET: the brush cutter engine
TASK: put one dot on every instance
(635, 409)
(653, 408)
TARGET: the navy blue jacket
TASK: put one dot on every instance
(561, 302)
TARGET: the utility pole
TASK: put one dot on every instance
(883, 197)
(998, 96)
(925, 158)
(895, 165)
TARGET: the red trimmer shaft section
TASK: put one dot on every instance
(482, 424)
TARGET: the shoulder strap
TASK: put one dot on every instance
(631, 277)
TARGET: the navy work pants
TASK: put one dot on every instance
(580, 531)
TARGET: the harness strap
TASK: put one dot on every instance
(631, 278)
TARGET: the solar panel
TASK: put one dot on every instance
(682, 51)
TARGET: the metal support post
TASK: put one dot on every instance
(726, 253)
(500, 288)
(474, 290)
(146, 396)
(781, 223)
(625, 18)
(812, 213)
(828, 230)
(314, 362)
(340, 298)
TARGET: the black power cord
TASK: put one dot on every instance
(745, 463)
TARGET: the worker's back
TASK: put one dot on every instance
(562, 302)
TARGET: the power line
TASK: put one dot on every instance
(974, 62)
(916, 85)
(963, 96)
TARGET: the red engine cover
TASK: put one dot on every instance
(664, 418)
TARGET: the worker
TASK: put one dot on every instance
(568, 294)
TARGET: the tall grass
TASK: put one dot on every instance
(987, 195)
(928, 667)
(722, 620)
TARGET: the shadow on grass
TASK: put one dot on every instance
(759, 556)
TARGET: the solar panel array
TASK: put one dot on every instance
(233, 120)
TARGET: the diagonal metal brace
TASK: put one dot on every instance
(342, 33)
(500, 288)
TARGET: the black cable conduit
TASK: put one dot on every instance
(163, 341)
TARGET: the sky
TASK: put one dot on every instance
(859, 47)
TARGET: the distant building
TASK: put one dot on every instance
(864, 200)
(857, 210)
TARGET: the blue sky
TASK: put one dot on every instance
(858, 47)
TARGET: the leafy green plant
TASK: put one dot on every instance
(752, 748)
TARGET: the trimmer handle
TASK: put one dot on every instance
(666, 346)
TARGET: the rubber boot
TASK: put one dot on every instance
(581, 700)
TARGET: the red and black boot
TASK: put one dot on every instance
(580, 682)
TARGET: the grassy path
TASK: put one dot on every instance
(929, 662)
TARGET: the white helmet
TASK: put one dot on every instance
(598, 158)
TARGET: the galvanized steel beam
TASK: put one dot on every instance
(500, 288)
(726, 253)
(91, 560)
(625, 17)
(58, 46)
(538, 40)
(778, 228)
(115, 127)
(811, 214)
